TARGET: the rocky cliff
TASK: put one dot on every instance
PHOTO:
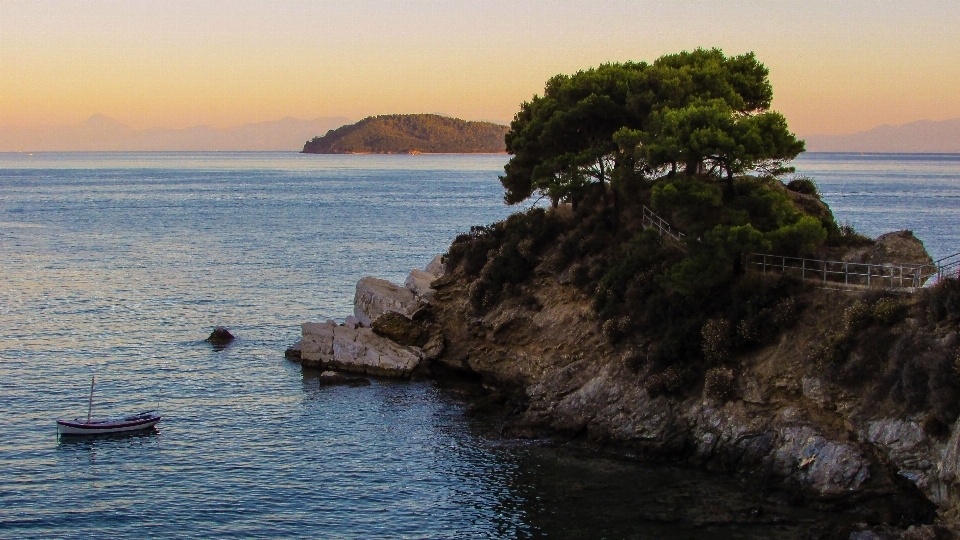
(850, 406)
(848, 399)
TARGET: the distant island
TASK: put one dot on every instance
(411, 134)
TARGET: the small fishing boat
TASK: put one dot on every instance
(135, 422)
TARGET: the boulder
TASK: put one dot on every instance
(375, 297)
(398, 328)
(356, 349)
(899, 247)
(436, 267)
(419, 284)
(293, 351)
(332, 378)
(220, 338)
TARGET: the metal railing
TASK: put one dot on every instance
(854, 275)
(948, 266)
(650, 219)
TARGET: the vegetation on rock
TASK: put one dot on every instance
(675, 136)
(587, 321)
(410, 133)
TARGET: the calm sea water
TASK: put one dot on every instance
(120, 264)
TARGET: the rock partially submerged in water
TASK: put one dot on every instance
(220, 337)
(293, 352)
(329, 345)
(332, 378)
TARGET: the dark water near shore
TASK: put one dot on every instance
(119, 265)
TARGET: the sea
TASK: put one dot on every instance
(118, 265)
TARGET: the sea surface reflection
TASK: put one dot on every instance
(119, 265)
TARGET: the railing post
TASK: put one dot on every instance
(824, 272)
(846, 273)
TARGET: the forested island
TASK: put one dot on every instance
(411, 134)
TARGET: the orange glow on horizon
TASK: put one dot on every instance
(836, 68)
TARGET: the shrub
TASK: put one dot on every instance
(716, 341)
(804, 185)
(668, 381)
(943, 301)
(718, 384)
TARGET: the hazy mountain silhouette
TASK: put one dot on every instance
(923, 136)
(102, 133)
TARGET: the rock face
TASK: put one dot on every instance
(436, 266)
(418, 282)
(375, 297)
(330, 346)
(398, 328)
(899, 247)
(554, 369)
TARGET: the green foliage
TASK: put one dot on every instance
(710, 135)
(803, 185)
(693, 108)
(410, 133)
(801, 238)
(503, 253)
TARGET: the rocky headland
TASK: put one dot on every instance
(683, 300)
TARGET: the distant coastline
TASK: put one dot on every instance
(411, 134)
(921, 137)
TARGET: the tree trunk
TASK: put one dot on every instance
(616, 210)
(738, 265)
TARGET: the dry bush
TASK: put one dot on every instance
(716, 341)
(719, 384)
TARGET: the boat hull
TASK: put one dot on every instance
(67, 427)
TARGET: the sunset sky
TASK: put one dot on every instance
(837, 66)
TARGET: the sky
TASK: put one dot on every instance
(836, 66)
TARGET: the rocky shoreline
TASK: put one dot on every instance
(549, 371)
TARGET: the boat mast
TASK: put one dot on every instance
(93, 380)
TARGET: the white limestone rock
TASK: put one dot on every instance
(356, 349)
(436, 267)
(316, 342)
(375, 297)
(419, 283)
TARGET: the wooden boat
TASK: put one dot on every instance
(144, 420)
(135, 422)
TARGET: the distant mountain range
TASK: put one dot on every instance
(923, 136)
(411, 134)
(103, 134)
